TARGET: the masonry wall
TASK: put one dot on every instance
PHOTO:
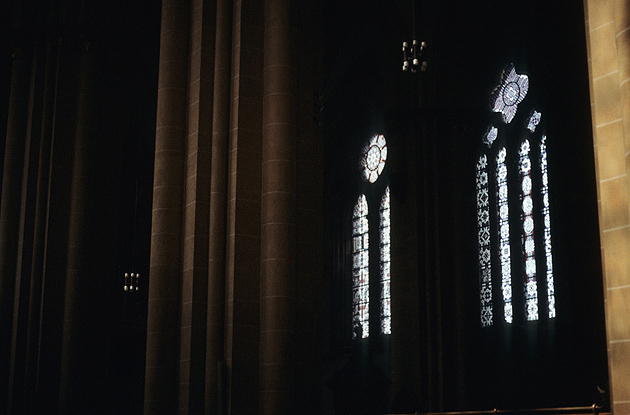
(608, 37)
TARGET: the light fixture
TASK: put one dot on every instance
(131, 282)
(412, 55)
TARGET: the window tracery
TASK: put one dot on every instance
(505, 100)
(372, 164)
(510, 93)
(373, 158)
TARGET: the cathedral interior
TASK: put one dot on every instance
(314, 207)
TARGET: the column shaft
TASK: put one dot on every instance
(279, 204)
(242, 296)
(162, 363)
(196, 211)
(58, 196)
(309, 191)
(608, 36)
(79, 333)
(10, 210)
(37, 266)
(25, 239)
(214, 399)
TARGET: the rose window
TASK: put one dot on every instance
(507, 96)
(374, 158)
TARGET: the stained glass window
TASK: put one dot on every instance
(360, 268)
(531, 289)
(504, 236)
(373, 158)
(534, 119)
(505, 100)
(386, 312)
(491, 135)
(551, 296)
(507, 96)
(483, 229)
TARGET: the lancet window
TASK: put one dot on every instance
(512, 170)
(371, 164)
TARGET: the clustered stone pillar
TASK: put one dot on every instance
(77, 311)
(222, 329)
(39, 232)
(242, 268)
(10, 208)
(162, 357)
(608, 35)
(196, 209)
(51, 252)
(214, 398)
(279, 202)
(406, 344)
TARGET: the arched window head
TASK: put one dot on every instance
(512, 90)
(373, 158)
(530, 186)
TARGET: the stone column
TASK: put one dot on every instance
(25, 238)
(78, 327)
(196, 213)
(608, 43)
(308, 234)
(58, 196)
(406, 347)
(162, 364)
(39, 238)
(10, 208)
(214, 399)
(242, 286)
(279, 203)
(618, 279)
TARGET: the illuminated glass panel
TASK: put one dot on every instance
(507, 96)
(385, 263)
(527, 238)
(551, 296)
(534, 119)
(504, 236)
(360, 269)
(491, 135)
(483, 230)
(373, 158)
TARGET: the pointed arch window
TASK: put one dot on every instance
(519, 179)
(371, 164)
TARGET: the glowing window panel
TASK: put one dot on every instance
(527, 238)
(490, 136)
(504, 236)
(483, 230)
(373, 158)
(385, 265)
(511, 91)
(360, 269)
(534, 119)
(551, 296)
